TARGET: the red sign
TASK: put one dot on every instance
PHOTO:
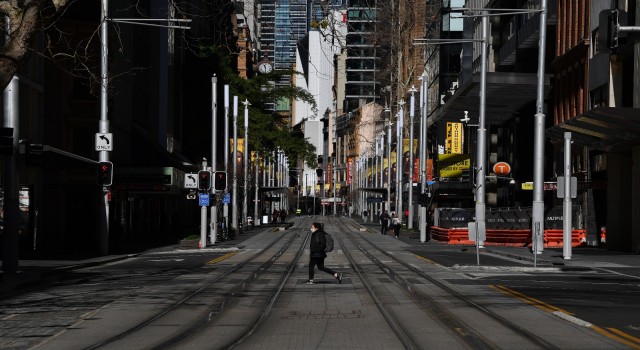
(349, 163)
(502, 168)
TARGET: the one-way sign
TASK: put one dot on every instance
(191, 180)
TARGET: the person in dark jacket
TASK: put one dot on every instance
(317, 253)
(384, 222)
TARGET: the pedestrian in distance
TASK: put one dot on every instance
(395, 225)
(283, 215)
(384, 222)
(365, 215)
(274, 215)
(317, 253)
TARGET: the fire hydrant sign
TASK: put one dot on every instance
(104, 142)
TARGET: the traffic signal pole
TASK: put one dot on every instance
(103, 128)
(203, 209)
(10, 237)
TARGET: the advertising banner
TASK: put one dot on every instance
(452, 165)
(454, 138)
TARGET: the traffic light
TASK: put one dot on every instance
(609, 28)
(204, 180)
(220, 181)
(105, 173)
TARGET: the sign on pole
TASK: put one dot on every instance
(204, 199)
(191, 180)
(104, 141)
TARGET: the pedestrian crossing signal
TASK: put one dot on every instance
(204, 180)
(105, 173)
(220, 181)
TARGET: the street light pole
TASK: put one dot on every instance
(103, 125)
(537, 215)
(214, 159)
(412, 103)
(245, 157)
(389, 135)
(482, 142)
(399, 156)
(234, 188)
(424, 152)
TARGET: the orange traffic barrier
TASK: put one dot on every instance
(517, 238)
(554, 238)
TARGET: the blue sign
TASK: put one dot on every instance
(204, 199)
(226, 199)
(374, 200)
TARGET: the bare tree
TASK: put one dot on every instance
(22, 19)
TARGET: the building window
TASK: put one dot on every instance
(599, 97)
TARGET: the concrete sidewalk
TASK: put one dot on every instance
(581, 257)
(36, 273)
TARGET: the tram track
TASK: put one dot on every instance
(465, 333)
(220, 305)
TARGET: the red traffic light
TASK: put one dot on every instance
(105, 173)
(204, 180)
(220, 183)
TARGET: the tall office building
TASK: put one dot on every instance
(362, 55)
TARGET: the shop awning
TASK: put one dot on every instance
(603, 128)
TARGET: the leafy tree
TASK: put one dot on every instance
(268, 130)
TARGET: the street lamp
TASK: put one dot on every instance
(387, 109)
(411, 115)
(399, 151)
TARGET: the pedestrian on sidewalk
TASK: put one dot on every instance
(318, 254)
(395, 225)
(365, 215)
(384, 222)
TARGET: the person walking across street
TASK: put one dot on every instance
(318, 254)
(384, 222)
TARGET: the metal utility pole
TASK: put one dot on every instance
(412, 107)
(234, 188)
(245, 208)
(103, 126)
(566, 201)
(11, 203)
(225, 156)
(424, 152)
(482, 142)
(399, 159)
(389, 135)
(256, 214)
(335, 156)
(537, 217)
(214, 159)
